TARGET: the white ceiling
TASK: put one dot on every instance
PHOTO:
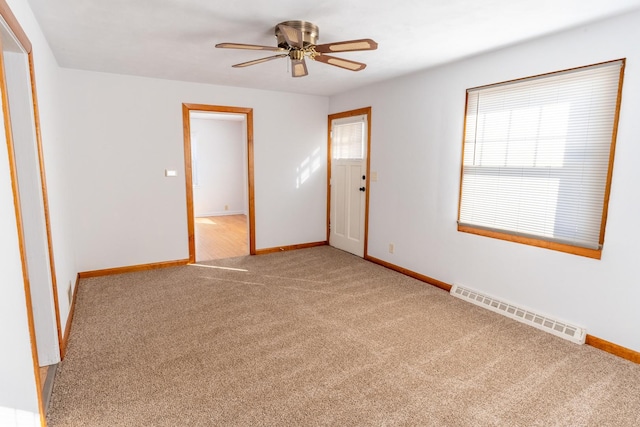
(174, 39)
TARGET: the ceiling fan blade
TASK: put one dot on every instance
(298, 68)
(293, 36)
(259, 61)
(248, 46)
(347, 46)
(339, 62)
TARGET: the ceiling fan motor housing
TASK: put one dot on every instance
(310, 33)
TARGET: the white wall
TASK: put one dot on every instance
(124, 131)
(417, 124)
(221, 147)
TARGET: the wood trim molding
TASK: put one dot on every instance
(599, 343)
(67, 327)
(367, 184)
(45, 196)
(430, 280)
(15, 26)
(186, 126)
(251, 183)
(132, 268)
(290, 247)
(328, 214)
(188, 178)
(107, 272)
(612, 152)
(560, 247)
(8, 16)
(615, 349)
(551, 73)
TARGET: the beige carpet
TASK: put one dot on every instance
(320, 337)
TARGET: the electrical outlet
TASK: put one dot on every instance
(226, 207)
(70, 292)
(391, 248)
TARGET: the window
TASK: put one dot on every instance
(348, 138)
(538, 156)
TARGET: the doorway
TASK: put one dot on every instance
(348, 180)
(26, 167)
(219, 179)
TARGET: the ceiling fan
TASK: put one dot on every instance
(297, 40)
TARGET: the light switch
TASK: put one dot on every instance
(374, 176)
(169, 172)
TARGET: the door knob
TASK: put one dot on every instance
(361, 188)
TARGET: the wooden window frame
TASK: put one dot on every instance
(541, 242)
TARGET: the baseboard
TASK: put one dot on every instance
(615, 349)
(106, 272)
(290, 247)
(596, 342)
(132, 268)
(67, 326)
(430, 280)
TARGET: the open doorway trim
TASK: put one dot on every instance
(23, 40)
(248, 112)
(45, 197)
(366, 111)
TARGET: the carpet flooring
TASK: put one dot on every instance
(318, 337)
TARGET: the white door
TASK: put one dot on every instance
(348, 184)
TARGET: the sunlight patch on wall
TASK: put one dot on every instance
(308, 167)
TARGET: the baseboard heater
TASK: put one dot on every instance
(564, 330)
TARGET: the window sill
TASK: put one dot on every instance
(561, 247)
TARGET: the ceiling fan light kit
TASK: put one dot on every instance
(298, 40)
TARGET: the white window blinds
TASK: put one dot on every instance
(537, 155)
(347, 138)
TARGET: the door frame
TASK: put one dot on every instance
(366, 111)
(188, 172)
(22, 39)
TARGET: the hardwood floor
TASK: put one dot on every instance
(221, 237)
